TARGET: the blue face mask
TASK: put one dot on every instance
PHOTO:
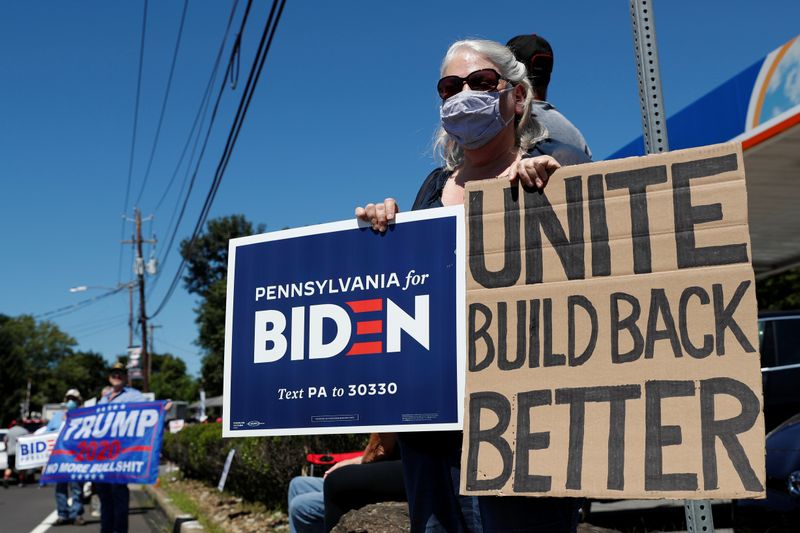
(71, 404)
(473, 118)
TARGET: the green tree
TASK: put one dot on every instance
(85, 371)
(780, 292)
(12, 375)
(206, 276)
(168, 378)
(207, 257)
(211, 319)
(39, 347)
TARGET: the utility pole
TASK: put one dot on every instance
(152, 343)
(152, 335)
(654, 128)
(130, 314)
(139, 268)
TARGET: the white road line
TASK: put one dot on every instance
(46, 523)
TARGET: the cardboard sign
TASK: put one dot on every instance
(336, 328)
(109, 443)
(611, 333)
(33, 451)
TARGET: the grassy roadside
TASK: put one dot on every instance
(184, 501)
(220, 512)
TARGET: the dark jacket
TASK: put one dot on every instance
(430, 194)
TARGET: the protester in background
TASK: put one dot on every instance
(68, 513)
(316, 504)
(536, 54)
(14, 432)
(114, 497)
(487, 132)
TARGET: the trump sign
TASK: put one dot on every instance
(108, 443)
(335, 328)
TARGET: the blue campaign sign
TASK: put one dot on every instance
(108, 443)
(336, 328)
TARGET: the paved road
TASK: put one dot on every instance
(24, 509)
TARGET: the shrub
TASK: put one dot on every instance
(262, 467)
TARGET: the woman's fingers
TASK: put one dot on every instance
(379, 223)
(391, 208)
(534, 172)
(378, 215)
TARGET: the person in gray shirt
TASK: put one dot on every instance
(536, 54)
(15, 431)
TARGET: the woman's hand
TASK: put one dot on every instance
(533, 172)
(353, 461)
(379, 215)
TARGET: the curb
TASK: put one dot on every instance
(181, 522)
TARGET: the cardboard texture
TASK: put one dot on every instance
(612, 336)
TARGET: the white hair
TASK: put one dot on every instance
(527, 130)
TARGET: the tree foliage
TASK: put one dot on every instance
(207, 258)
(85, 371)
(211, 320)
(780, 292)
(30, 350)
(12, 376)
(169, 380)
(206, 276)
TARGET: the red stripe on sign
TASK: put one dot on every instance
(369, 326)
(63, 452)
(363, 348)
(136, 449)
(366, 306)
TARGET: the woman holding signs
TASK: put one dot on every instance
(486, 132)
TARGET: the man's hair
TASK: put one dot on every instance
(536, 54)
(527, 130)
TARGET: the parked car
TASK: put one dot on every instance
(780, 511)
(779, 340)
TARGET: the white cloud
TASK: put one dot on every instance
(789, 65)
(791, 86)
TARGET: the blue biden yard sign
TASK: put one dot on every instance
(335, 328)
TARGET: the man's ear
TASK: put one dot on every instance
(519, 98)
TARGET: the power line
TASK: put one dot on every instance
(182, 211)
(202, 111)
(67, 309)
(135, 126)
(101, 330)
(164, 102)
(90, 324)
(244, 104)
(97, 328)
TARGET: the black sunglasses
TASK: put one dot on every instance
(485, 79)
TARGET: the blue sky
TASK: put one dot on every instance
(343, 114)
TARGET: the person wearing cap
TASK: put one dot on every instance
(68, 513)
(115, 497)
(537, 55)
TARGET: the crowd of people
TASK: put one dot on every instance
(69, 496)
(496, 123)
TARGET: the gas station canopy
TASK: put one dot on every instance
(759, 107)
